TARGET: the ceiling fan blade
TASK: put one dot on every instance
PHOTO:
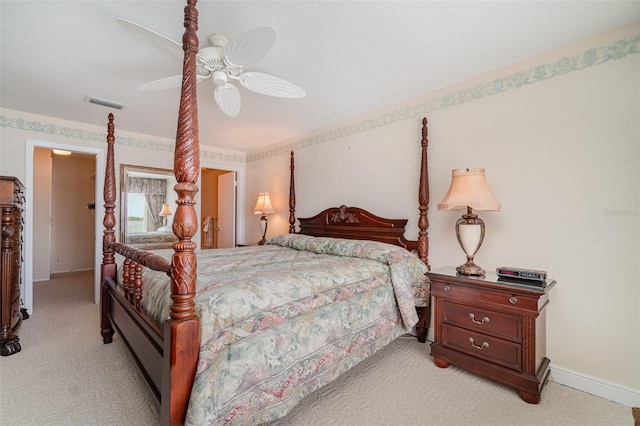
(250, 47)
(169, 45)
(228, 99)
(167, 83)
(163, 83)
(269, 85)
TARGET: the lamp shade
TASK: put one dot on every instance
(469, 188)
(166, 210)
(263, 205)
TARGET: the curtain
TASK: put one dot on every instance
(155, 191)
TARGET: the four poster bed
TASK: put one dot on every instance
(248, 333)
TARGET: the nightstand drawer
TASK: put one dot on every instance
(471, 292)
(485, 321)
(498, 351)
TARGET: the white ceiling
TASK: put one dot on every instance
(350, 57)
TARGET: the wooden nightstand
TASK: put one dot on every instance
(492, 328)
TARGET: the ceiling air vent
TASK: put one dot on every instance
(103, 102)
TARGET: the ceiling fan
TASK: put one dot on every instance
(223, 61)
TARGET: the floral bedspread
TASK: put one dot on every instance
(151, 237)
(281, 320)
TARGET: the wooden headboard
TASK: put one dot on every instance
(358, 224)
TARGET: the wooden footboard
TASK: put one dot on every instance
(140, 335)
(121, 305)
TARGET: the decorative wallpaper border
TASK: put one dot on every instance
(100, 137)
(585, 59)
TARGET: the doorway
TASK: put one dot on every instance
(90, 206)
(63, 219)
(219, 208)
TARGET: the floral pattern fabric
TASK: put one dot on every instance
(281, 320)
(151, 238)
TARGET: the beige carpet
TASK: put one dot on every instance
(66, 376)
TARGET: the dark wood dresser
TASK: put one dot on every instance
(493, 328)
(12, 199)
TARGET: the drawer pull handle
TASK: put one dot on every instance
(475, 321)
(513, 300)
(473, 344)
(446, 288)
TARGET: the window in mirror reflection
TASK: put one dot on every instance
(153, 192)
(136, 212)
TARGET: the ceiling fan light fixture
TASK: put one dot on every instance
(219, 78)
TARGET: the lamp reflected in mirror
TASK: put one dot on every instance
(166, 211)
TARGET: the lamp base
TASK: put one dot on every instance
(263, 228)
(470, 268)
(470, 233)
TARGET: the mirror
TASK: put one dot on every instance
(147, 202)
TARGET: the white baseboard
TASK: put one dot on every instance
(71, 270)
(594, 386)
(430, 335)
(598, 387)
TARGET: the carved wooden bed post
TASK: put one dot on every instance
(423, 199)
(424, 312)
(109, 222)
(182, 329)
(292, 199)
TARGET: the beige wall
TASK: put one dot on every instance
(559, 137)
(42, 214)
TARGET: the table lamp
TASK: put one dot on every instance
(263, 207)
(469, 189)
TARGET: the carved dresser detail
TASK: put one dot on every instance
(11, 203)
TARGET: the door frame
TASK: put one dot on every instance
(99, 153)
(240, 196)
